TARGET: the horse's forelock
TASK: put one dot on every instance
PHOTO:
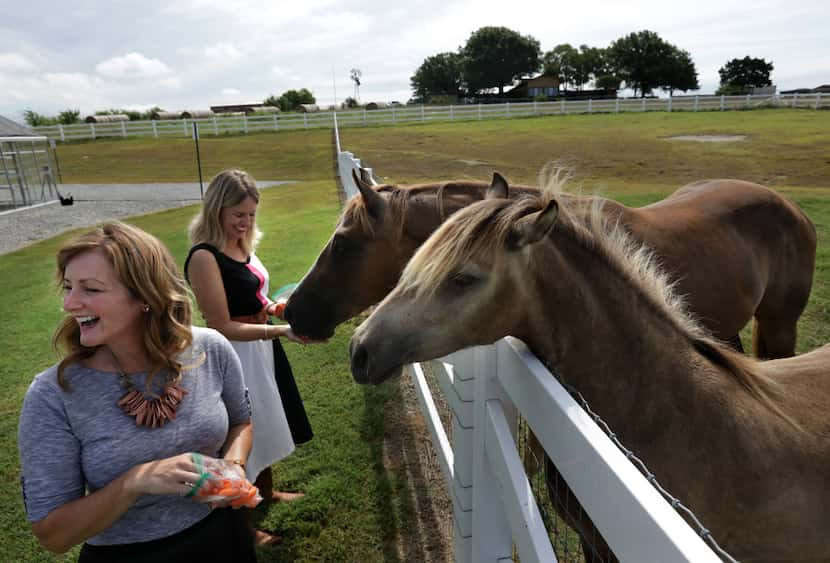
(473, 232)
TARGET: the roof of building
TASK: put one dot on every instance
(9, 128)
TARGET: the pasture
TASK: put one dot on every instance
(356, 508)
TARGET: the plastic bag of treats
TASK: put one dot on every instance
(220, 481)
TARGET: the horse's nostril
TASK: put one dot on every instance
(360, 362)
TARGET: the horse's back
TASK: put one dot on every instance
(738, 249)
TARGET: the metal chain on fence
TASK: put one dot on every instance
(690, 516)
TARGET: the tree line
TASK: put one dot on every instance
(496, 57)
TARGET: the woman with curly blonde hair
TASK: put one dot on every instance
(106, 436)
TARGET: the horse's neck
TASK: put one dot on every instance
(605, 337)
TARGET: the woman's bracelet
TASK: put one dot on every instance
(265, 327)
(238, 462)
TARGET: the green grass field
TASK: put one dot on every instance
(356, 510)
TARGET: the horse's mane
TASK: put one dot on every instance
(398, 198)
(484, 228)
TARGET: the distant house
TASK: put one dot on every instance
(542, 85)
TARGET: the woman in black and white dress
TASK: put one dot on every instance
(231, 287)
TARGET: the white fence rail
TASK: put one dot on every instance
(219, 125)
(493, 505)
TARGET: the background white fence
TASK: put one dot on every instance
(487, 388)
(219, 125)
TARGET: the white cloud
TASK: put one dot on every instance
(132, 65)
(230, 92)
(15, 63)
(223, 52)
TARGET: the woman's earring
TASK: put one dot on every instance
(146, 308)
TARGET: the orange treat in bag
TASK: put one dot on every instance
(220, 482)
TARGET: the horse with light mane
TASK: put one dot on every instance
(743, 443)
(737, 250)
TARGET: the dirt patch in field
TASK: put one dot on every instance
(708, 138)
(408, 452)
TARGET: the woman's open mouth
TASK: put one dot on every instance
(87, 322)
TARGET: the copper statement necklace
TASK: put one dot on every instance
(152, 413)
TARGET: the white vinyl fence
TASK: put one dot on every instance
(219, 125)
(487, 388)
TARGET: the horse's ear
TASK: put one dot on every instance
(498, 188)
(534, 227)
(374, 202)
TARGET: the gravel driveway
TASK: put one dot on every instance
(94, 203)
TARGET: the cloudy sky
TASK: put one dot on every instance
(190, 54)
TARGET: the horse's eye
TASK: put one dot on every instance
(338, 245)
(462, 280)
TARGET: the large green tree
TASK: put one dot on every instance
(739, 75)
(640, 59)
(562, 61)
(291, 99)
(679, 73)
(497, 56)
(438, 75)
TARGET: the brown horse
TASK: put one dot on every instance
(736, 249)
(743, 443)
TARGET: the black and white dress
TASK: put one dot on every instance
(279, 417)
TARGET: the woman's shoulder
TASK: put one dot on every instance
(208, 340)
(45, 388)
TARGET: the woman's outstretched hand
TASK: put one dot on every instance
(289, 334)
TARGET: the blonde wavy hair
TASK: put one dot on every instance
(146, 267)
(226, 189)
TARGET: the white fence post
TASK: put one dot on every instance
(818, 100)
(185, 128)
(669, 106)
(644, 103)
(276, 125)
(479, 111)
(423, 115)
(562, 105)
(748, 101)
(535, 107)
(123, 130)
(245, 123)
(722, 97)
(590, 105)
(92, 130)
(492, 539)
(60, 129)
(463, 438)
(452, 114)
(155, 131)
(507, 111)
(696, 101)
(215, 127)
(617, 105)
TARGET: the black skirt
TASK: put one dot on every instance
(292, 402)
(222, 537)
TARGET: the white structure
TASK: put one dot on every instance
(26, 176)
